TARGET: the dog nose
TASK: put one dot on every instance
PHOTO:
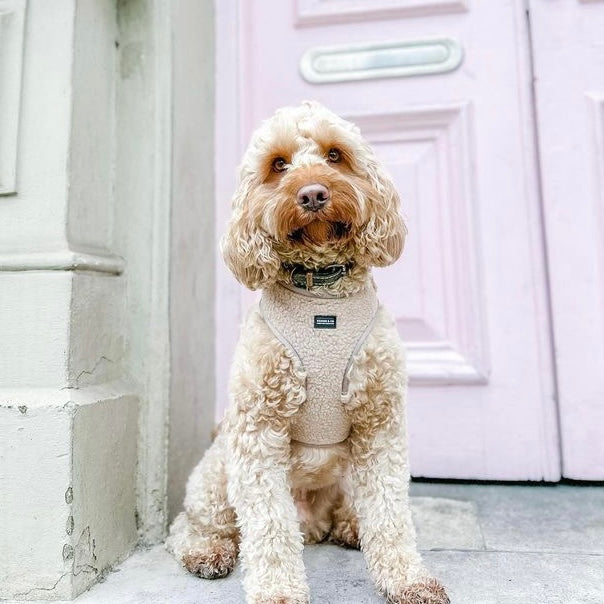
(313, 197)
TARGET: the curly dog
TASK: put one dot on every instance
(314, 444)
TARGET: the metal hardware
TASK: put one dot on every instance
(324, 64)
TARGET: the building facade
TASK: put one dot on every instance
(121, 124)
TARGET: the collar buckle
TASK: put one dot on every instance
(304, 278)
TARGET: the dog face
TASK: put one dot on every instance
(312, 192)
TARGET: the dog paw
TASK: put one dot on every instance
(312, 537)
(346, 534)
(214, 562)
(315, 532)
(426, 591)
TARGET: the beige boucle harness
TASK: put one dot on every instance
(323, 334)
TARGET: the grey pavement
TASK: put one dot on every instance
(488, 544)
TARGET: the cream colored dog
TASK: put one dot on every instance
(294, 462)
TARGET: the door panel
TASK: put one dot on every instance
(469, 294)
(568, 48)
(428, 153)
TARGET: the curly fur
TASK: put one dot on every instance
(255, 492)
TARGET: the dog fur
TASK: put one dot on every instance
(256, 494)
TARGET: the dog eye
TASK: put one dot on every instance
(334, 155)
(279, 164)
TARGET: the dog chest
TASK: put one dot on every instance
(323, 334)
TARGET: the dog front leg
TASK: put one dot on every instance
(380, 480)
(271, 541)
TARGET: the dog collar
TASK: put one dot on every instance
(305, 278)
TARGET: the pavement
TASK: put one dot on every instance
(489, 544)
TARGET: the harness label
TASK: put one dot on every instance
(325, 321)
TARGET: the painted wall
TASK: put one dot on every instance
(141, 234)
(193, 245)
(106, 280)
(68, 409)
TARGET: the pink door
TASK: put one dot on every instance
(442, 88)
(568, 48)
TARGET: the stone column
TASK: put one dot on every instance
(68, 399)
(106, 280)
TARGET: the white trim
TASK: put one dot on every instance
(317, 12)
(596, 111)
(59, 397)
(439, 364)
(62, 261)
(549, 438)
(154, 413)
(12, 24)
(228, 145)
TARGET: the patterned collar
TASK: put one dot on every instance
(305, 278)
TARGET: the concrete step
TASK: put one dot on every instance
(487, 544)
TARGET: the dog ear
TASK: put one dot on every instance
(246, 247)
(385, 232)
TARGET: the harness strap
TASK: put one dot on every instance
(322, 336)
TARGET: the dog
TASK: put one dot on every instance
(314, 445)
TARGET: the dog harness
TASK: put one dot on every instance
(322, 334)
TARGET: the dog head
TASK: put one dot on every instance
(310, 192)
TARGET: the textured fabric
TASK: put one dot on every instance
(304, 278)
(302, 322)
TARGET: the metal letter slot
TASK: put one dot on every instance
(324, 64)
